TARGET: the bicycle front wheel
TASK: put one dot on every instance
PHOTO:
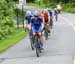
(37, 51)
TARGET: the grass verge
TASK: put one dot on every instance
(12, 39)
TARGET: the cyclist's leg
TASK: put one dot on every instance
(51, 22)
(40, 35)
(26, 27)
(33, 32)
(48, 27)
(57, 17)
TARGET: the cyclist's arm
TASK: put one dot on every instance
(42, 17)
(48, 18)
(43, 20)
(29, 26)
(25, 22)
(42, 23)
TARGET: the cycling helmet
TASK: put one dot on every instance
(28, 13)
(45, 11)
(50, 9)
(36, 13)
(55, 9)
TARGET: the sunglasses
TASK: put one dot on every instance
(35, 16)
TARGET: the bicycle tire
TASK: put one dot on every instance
(37, 52)
(37, 47)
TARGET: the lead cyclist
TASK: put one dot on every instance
(37, 25)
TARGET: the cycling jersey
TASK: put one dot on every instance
(46, 16)
(55, 12)
(28, 18)
(51, 13)
(42, 15)
(36, 24)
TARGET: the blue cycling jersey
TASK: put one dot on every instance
(36, 22)
(51, 13)
(28, 19)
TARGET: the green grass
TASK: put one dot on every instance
(12, 39)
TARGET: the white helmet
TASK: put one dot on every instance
(45, 11)
(28, 13)
(55, 9)
(36, 13)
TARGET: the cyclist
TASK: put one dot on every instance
(58, 8)
(51, 17)
(42, 15)
(47, 20)
(28, 16)
(36, 25)
(56, 14)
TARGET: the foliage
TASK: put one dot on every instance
(6, 18)
(69, 8)
(20, 15)
(67, 5)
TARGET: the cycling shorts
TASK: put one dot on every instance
(39, 29)
(46, 21)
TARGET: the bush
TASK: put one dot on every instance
(68, 7)
(21, 17)
(6, 18)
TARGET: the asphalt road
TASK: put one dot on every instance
(58, 49)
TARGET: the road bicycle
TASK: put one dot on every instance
(37, 44)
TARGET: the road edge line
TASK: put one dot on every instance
(73, 27)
